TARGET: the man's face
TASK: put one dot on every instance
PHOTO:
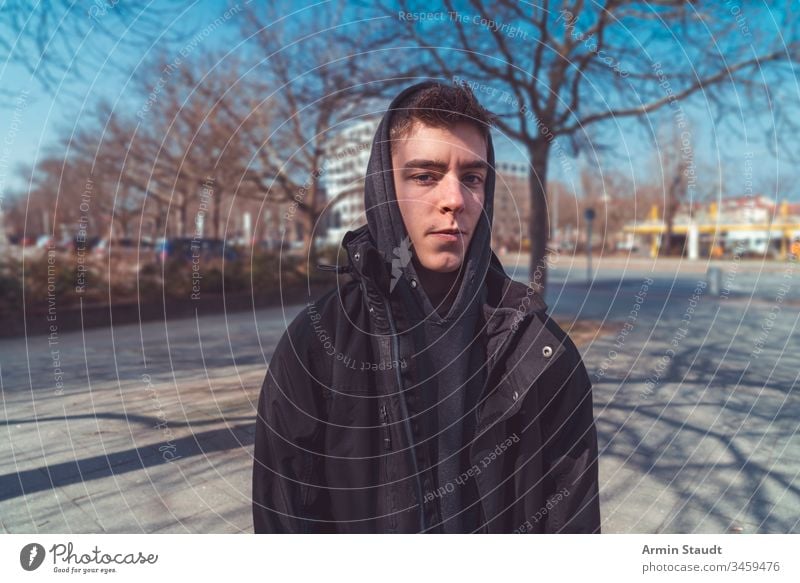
(439, 177)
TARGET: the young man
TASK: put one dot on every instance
(430, 393)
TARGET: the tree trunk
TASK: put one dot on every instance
(158, 222)
(217, 213)
(538, 226)
(124, 224)
(310, 251)
(666, 244)
(315, 211)
(182, 212)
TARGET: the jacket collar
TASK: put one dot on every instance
(508, 302)
(511, 309)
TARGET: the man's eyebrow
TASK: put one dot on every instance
(475, 165)
(441, 166)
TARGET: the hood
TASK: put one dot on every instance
(389, 235)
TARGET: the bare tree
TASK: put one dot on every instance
(228, 121)
(169, 153)
(57, 185)
(611, 195)
(553, 69)
(315, 78)
(674, 163)
(48, 39)
(114, 148)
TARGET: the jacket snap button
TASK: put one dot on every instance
(547, 352)
(515, 395)
(357, 256)
(413, 283)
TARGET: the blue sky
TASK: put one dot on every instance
(30, 129)
(33, 126)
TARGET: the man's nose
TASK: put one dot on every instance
(452, 195)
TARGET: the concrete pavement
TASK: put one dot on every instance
(150, 428)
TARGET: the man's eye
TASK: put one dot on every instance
(473, 179)
(424, 178)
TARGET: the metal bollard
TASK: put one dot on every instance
(714, 280)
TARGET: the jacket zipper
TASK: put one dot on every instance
(387, 435)
(394, 355)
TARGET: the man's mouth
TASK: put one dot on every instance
(447, 232)
(448, 235)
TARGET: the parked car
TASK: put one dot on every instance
(86, 244)
(44, 241)
(123, 248)
(188, 249)
(752, 244)
(21, 241)
(273, 245)
(123, 256)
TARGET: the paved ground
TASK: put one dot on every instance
(152, 429)
(126, 452)
(696, 398)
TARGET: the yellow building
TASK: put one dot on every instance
(748, 224)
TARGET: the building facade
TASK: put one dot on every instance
(346, 158)
(511, 207)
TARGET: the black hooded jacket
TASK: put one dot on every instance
(378, 415)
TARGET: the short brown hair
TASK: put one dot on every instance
(440, 106)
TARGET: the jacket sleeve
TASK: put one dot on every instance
(288, 479)
(570, 450)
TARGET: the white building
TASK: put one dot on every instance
(346, 158)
